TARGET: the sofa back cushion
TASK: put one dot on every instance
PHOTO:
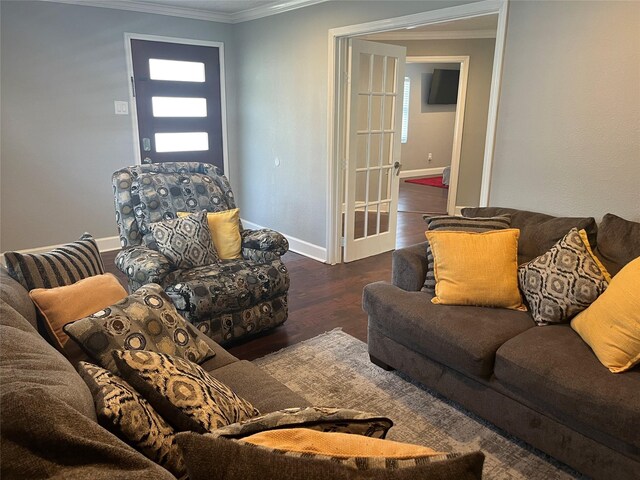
(16, 296)
(538, 231)
(163, 195)
(618, 242)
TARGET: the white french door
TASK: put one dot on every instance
(374, 115)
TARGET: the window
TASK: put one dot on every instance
(405, 110)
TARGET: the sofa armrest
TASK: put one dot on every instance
(409, 267)
(264, 240)
(142, 265)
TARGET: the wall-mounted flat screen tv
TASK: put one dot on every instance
(444, 87)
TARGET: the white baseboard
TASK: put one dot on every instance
(105, 244)
(296, 245)
(422, 172)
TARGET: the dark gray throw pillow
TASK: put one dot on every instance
(454, 223)
(61, 266)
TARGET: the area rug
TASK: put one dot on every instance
(333, 369)
(429, 181)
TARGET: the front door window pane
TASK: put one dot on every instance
(176, 70)
(179, 107)
(182, 142)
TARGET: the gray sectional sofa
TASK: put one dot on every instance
(48, 422)
(541, 384)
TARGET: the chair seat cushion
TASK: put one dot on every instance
(462, 337)
(541, 364)
(229, 286)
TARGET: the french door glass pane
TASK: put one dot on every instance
(176, 70)
(179, 107)
(182, 142)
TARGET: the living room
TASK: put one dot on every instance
(566, 139)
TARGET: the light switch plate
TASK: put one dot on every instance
(122, 108)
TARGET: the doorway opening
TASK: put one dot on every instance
(339, 109)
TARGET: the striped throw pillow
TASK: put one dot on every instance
(61, 266)
(464, 224)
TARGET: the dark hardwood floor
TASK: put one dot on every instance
(323, 297)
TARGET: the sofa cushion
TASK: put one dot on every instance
(16, 296)
(258, 387)
(538, 231)
(463, 338)
(554, 369)
(29, 363)
(618, 242)
(163, 195)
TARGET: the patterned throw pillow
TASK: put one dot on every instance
(317, 418)
(185, 241)
(445, 222)
(563, 281)
(209, 456)
(146, 319)
(61, 266)
(121, 410)
(187, 396)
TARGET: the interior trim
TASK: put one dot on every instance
(194, 13)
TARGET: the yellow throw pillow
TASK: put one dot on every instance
(336, 444)
(476, 268)
(225, 232)
(611, 324)
(61, 305)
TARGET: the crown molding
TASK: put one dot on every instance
(437, 35)
(193, 13)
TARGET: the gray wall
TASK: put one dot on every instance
(282, 111)
(568, 127)
(568, 139)
(62, 68)
(480, 52)
(430, 127)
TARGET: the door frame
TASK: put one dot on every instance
(132, 101)
(458, 125)
(337, 76)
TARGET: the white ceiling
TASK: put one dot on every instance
(226, 11)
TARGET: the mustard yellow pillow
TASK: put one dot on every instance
(61, 305)
(611, 324)
(336, 444)
(225, 232)
(476, 268)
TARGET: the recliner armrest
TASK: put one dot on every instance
(409, 267)
(142, 265)
(264, 240)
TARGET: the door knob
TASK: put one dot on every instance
(397, 166)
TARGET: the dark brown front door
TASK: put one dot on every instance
(178, 96)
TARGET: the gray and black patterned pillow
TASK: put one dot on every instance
(323, 419)
(123, 411)
(563, 281)
(186, 396)
(446, 222)
(185, 241)
(61, 266)
(145, 320)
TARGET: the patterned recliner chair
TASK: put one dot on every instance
(227, 300)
